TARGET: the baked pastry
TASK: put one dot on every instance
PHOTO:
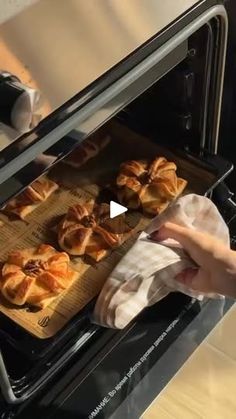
(86, 230)
(24, 203)
(35, 276)
(150, 186)
(87, 150)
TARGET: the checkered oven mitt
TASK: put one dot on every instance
(146, 274)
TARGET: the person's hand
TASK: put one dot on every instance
(216, 262)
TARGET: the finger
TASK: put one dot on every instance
(203, 282)
(173, 231)
(197, 280)
(186, 276)
(198, 245)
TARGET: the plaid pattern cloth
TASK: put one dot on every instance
(146, 274)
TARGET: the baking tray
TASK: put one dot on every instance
(89, 182)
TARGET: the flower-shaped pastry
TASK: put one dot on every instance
(87, 230)
(150, 186)
(36, 276)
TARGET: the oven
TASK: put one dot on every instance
(153, 73)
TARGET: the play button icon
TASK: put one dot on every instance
(119, 223)
(116, 209)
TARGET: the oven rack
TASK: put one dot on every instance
(35, 348)
(19, 390)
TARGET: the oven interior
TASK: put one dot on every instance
(175, 113)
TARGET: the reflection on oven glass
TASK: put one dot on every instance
(77, 43)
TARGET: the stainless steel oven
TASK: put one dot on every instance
(155, 68)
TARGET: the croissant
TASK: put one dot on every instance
(150, 186)
(35, 276)
(85, 151)
(84, 231)
(24, 203)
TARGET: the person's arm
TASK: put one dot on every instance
(217, 263)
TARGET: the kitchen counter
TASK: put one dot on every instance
(205, 386)
(158, 394)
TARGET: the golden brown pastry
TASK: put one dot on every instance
(36, 276)
(150, 186)
(38, 192)
(87, 150)
(86, 231)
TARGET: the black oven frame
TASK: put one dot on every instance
(16, 173)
